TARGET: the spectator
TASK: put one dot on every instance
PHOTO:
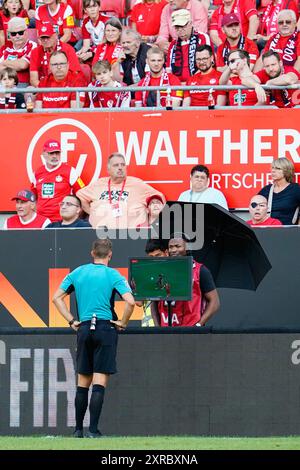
(258, 209)
(132, 59)
(234, 74)
(244, 9)
(60, 16)
(182, 51)
(158, 76)
(200, 191)
(275, 73)
(49, 42)
(268, 22)
(205, 75)
(106, 99)
(70, 210)
(26, 213)
(16, 54)
(11, 9)
(286, 42)
(53, 181)
(60, 76)
(145, 18)
(9, 79)
(110, 49)
(92, 29)
(198, 13)
(234, 40)
(205, 299)
(156, 248)
(117, 201)
(155, 205)
(283, 195)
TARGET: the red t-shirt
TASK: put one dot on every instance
(38, 221)
(147, 17)
(249, 46)
(277, 94)
(199, 97)
(269, 221)
(94, 31)
(108, 52)
(51, 186)
(248, 97)
(61, 99)
(39, 61)
(8, 52)
(244, 9)
(155, 81)
(61, 19)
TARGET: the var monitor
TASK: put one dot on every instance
(166, 278)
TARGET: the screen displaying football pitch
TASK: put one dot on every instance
(166, 278)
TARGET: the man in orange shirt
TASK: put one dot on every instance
(118, 200)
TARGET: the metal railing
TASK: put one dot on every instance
(131, 88)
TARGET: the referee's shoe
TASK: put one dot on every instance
(93, 435)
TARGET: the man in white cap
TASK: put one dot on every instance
(181, 59)
(53, 181)
(17, 53)
(199, 15)
(26, 217)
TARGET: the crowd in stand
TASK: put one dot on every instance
(164, 43)
(74, 43)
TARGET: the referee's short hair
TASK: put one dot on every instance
(102, 247)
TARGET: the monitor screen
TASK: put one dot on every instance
(166, 278)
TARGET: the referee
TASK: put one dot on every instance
(95, 285)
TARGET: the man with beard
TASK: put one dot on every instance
(205, 75)
(158, 76)
(275, 73)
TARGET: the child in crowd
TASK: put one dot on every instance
(108, 99)
(9, 79)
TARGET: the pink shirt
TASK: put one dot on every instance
(199, 18)
(129, 201)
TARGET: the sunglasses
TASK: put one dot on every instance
(232, 61)
(17, 33)
(281, 22)
(255, 204)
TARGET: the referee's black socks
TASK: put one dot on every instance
(81, 403)
(96, 403)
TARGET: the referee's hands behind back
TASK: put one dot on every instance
(120, 326)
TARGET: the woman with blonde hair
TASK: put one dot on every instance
(283, 194)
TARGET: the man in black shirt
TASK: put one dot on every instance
(70, 210)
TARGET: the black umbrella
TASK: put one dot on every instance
(230, 249)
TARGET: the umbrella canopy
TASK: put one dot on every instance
(230, 248)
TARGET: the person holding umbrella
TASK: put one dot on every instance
(205, 299)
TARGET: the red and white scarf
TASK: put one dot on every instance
(289, 53)
(164, 81)
(10, 104)
(115, 54)
(269, 20)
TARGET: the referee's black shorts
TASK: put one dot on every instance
(97, 349)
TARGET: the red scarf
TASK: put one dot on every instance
(289, 54)
(151, 95)
(269, 20)
(10, 104)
